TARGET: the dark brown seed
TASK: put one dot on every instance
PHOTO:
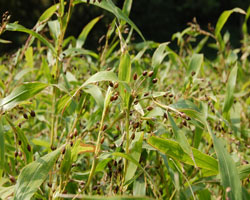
(188, 118)
(115, 97)
(49, 185)
(170, 95)
(111, 84)
(149, 108)
(63, 150)
(32, 113)
(19, 142)
(109, 68)
(75, 132)
(145, 73)
(20, 154)
(12, 179)
(20, 125)
(112, 98)
(154, 80)
(28, 148)
(165, 116)
(52, 148)
(146, 94)
(193, 73)
(184, 122)
(135, 76)
(116, 85)
(71, 143)
(71, 136)
(115, 163)
(117, 127)
(133, 136)
(102, 139)
(104, 127)
(136, 102)
(150, 73)
(136, 125)
(16, 153)
(25, 115)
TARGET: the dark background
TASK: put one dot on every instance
(157, 19)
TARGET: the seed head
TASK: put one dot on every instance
(149, 108)
(135, 76)
(145, 73)
(150, 74)
(154, 80)
(25, 115)
(116, 85)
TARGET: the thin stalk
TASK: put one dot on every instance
(97, 150)
(127, 141)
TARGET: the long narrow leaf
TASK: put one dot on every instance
(109, 6)
(34, 174)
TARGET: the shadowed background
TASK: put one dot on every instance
(157, 19)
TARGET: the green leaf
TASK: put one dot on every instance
(29, 57)
(84, 34)
(135, 152)
(195, 64)
(101, 76)
(20, 28)
(109, 6)
(181, 138)
(159, 54)
(89, 197)
(223, 18)
(6, 192)
(230, 89)
(127, 7)
(21, 93)
(34, 174)
(174, 150)
(48, 13)
(124, 74)
(243, 171)
(228, 171)
(2, 148)
(21, 136)
(96, 93)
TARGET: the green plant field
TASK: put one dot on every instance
(129, 121)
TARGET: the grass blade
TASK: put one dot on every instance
(34, 174)
(174, 150)
(223, 18)
(230, 89)
(109, 6)
(20, 28)
(21, 93)
(84, 34)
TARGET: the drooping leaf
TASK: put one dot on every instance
(96, 93)
(174, 150)
(21, 93)
(34, 174)
(230, 89)
(24, 141)
(109, 6)
(20, 28)
(84, 34)
(48, 13)
(229, 175)
(2, 149)
(223, 18)
(181, 138)
(101, 76)
(135, 152)
(159, 54)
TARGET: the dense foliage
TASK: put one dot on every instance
(131, 121)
